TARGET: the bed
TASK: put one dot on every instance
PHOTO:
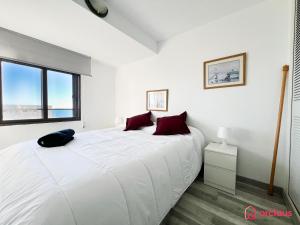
(107, 177)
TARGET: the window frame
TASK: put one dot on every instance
(76, 82)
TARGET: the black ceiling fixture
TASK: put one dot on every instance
(97, 7)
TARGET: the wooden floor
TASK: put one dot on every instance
(204, 205)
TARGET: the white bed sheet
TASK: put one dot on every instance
(103, 177)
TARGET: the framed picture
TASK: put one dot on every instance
(157, 100)
(225, 72)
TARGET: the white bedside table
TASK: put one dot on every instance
(220, 166)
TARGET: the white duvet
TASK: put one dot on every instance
(104, 177)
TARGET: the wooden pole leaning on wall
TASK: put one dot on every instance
(285, 70)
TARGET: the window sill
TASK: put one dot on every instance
(38, 121)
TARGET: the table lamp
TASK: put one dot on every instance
(223, 135)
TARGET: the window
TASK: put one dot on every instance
(60, 95)
(33, 94)
(21, 92)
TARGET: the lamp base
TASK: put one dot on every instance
(224, 143)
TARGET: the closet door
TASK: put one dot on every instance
(294, 183)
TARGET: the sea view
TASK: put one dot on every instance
(17, 112)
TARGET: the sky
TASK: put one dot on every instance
(22, 86)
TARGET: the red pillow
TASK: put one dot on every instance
(139, 121)
(171, 125)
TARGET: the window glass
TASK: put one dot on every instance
(21, 91)
(60, 94)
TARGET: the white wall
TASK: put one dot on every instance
(97, 107)
(250, 111)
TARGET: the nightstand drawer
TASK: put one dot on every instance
(220, 160)
(219, 176)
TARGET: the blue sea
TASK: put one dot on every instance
(60, 113)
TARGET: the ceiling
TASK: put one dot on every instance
(130, 32)
(163, 19)
(68, 25)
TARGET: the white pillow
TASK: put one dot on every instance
(149, 129)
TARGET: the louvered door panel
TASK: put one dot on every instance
(294, 182)
(294, 186)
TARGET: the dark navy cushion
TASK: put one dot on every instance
(56, 139)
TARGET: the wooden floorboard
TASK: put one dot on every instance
(205, 205)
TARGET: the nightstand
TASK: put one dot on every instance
(220, 166)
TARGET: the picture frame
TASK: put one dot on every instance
(157, 100)
(228, 71)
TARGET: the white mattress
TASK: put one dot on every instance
(105, 177)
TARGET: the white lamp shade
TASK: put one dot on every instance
(222, 132)
(119, 120)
